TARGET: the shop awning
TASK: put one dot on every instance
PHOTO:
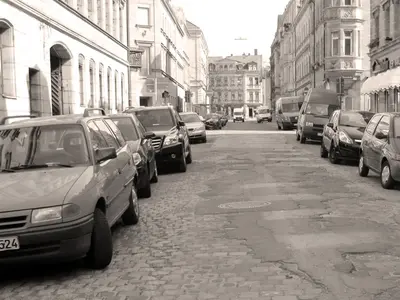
(381, 82)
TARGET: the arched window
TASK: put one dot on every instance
(109, 88)
(116, 96)
(101, 86)
(81, 70)
(92, 72)
(7, 60)
(122, 90)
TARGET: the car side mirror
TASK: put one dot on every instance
(149, 135)
(330, 125)
(380, 135)
(181, 124)
(103, 154)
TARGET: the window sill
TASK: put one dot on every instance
(144, 26)
(9, 97)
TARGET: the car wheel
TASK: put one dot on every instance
(189, 156)
(363, 170)
(297, 135)
(182, 164)
(302, 138)
(132, 214)
(154, 179)
(332, 155)
(243, 121)
(387, 180)
(323, 152)
(145, 192)
(279, 127)
(204, 140)
(101, 248)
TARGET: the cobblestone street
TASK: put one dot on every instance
(255, 217)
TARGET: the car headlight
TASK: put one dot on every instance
(60, 213)
(310, 124)
(343, 137)
(171, 139)
(136, 158)
(199, 128)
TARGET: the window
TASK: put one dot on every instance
(108, 15)
(376, 24)
(100, 13)
(372, 124)
(121, 24)
(348, 43)
(116, 106)
(390, 101)
(127, 128)
(232, 81)
(348, 2)
(358, 43)
(145, 70)
(122, 91)
(116, 131)
(257, 96)
(81, 80)
(335, 43)
(239, 96)
(91, 83)
(386, 9)
(107, 134)
(97, 138)
(383, 125)
(212, 81)
(250, 81)
(101, 86)
(109, 88)
(143, 15)
(7, 74)
(225, 80)
(396, 95)
(251, 96)
(155, 117)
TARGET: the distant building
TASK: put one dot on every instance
(382, 90)
(266, 86)
(235, 81)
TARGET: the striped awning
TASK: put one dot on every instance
(382, 82)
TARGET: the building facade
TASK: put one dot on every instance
(382, 90)
(275, 64)
(158, 40)
(266, 86)
(198, 72)
(331, 45)
(58, 57)
(235, 81)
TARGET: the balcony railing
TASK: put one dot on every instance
(350, 13)
(343, 63)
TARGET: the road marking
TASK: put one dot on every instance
(247, 132)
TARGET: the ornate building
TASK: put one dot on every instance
(58, 57)
(235, 81)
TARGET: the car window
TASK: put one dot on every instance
(355, 119)
(97, 138)
(383, 125)
(155, 117)
(127, 127)
(107, 134)
(396, 127)
(372, 124)
(117, 131)
(190, 118)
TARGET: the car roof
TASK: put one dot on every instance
(141, 108)
(188, 113)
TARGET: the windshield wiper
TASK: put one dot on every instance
(32, 166)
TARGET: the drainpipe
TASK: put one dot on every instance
(128, 43)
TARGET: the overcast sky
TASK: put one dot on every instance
(224, 20)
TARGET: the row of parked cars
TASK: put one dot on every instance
(371, 139)
(81, 174)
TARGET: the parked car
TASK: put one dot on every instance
(380, 149)
(263, 114)
(224, 120)
(196, 128)
(213, 121)
(78, 180)
(171, 142)
(142, 148)
(238, 115)
(287, 112)
(342, 135)
(317, 108)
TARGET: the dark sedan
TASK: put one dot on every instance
(341, 137)
(213, 121)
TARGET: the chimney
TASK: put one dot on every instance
(255, 52)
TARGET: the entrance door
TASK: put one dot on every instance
(144, 101)
(56, 85)
(34, 91)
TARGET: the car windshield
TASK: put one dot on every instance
(43, 146)
(290, 107)
(155, 117)
(238, 113)
(127, 128)
(212, 116)
(263, 111)
(321, 110)
(355, 119)
(190, 118)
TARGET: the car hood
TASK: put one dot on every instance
(355, 133)
(317, 120)
(40, 188)
(161, 130)
(194, 125)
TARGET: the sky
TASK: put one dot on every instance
(224, 20)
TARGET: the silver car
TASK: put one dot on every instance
(65, 180)
(195, 126)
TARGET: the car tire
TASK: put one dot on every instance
(132, 215)
(363, 170)
(387, 180)
(297, 136)
(243, 121)
(154, 179)
(279, 127)
(145, 192)
(101, 247)
(302, 138)
(189, 156)
(204, 140)
(323, 153)
(332, 155)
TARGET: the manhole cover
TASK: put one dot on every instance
(244, 205)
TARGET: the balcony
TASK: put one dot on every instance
(343, 64)
(347, 13)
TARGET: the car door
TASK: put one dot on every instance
(122, 164)
(367, 139)
(108, 176)
(377, 145)
(146, 144)
(183, 131)
(329, 133)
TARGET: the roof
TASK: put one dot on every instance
(244, 59)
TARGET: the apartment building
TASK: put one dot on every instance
(198, 72)
(266, 86)
(382, 90)
(159, 62)
(331, 45)
(58, 57)
(235, 81)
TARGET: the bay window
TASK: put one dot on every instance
(348, 43)
(335, 43)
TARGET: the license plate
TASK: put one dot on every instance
(319, 134)
(9, 243)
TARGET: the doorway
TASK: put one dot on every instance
(145, 101)
(250, 112)
(34, 91)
